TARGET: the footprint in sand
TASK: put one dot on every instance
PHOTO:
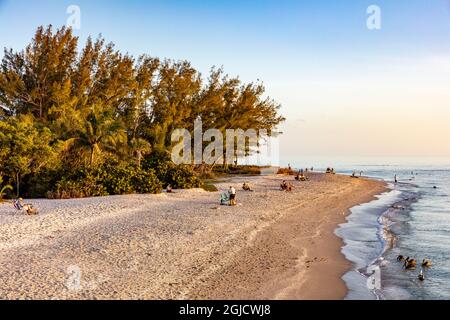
(314, 260)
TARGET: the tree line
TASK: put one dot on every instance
(66, 109)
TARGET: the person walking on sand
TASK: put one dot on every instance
(232, 193)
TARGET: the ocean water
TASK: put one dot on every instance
(411, 219)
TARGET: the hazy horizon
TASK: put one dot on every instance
(346, 91)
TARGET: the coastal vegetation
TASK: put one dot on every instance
(3, 188)
(93, 121)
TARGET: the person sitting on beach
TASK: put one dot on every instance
(289, 187)
(328, 170)
(286, 186)
(29, 209)
(232, 194)
(246, 187)
(169, 189)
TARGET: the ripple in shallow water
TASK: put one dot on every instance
(417, 226)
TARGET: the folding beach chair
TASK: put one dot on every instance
(224, 199)
(17, 205)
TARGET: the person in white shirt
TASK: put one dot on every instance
(232, 193)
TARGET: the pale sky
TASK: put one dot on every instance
(346, 90)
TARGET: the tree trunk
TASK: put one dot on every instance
(139, 158)
(18, 184)
(92, 155)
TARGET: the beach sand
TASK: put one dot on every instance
(273, 245)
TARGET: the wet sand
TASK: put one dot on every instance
(273, 245)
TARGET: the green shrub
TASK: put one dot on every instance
(112, 178)
(207, 175)
(37, 185)
(178, 176)
(84, 183)
(209, 187)
(286, 171)
(146, 182)
(128, 178)
(157, 158)
(3, 188)
(238, 170)
(116, 178)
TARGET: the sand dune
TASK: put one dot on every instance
(273, 245)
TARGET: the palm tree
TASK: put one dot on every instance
(139, 148)
(4, 188)
(100, 131)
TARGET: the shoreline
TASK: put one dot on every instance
(273, 245)
(313, 266)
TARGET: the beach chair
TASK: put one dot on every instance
(17, 205)
(224, 199)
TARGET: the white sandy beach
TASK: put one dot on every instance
(273, 245)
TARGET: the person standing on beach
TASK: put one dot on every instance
(232, 193)
(395, 179)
